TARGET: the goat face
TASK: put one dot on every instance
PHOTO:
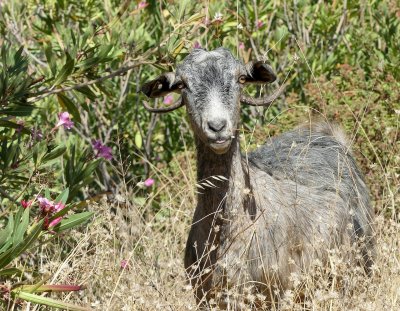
(210, 83)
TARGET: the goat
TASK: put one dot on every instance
(275, 209)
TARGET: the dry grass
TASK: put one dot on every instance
(153, 244)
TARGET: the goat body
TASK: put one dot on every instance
(283, 206)
(277, 209)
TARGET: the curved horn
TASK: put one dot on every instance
(263, 101)
(179, 103)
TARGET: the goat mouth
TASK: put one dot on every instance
(220, 146)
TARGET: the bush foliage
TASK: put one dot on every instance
(72, 127)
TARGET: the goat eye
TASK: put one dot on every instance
(242, 79)
(180, 85)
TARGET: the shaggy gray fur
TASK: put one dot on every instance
(281, 207)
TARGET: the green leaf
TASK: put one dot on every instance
(21, 227)
(73, 221)
(177, 49)
(18, 110)
(138, 140)
(30, 239)
(15, 251)
(47, 301)
(88, 92)
(104, 50)
(194, 18)
(63, 196)
(10, 272)
(66, 70)
(48, 51)
(5, 235)
(88, 170)
(31, 288)
(280, 33)
(12, 150)
(55, 153)
(5, 123)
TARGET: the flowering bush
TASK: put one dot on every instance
(41, 157)
(23, 231)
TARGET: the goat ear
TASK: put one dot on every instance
(259, 72)
(161, 86)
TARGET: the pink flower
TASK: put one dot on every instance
(259, 24)
(142, 4)
(47, 224)
(58, 207)
(48, 209)
(197, 45)
(149, 182)
(54, 222)
(241, 46)
(64, 120)
(124, 264)
(168, 100)
(103, 151)
(26, 204)
(46, 205)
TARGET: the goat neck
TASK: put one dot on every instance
(228, 194)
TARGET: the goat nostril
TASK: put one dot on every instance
(217, 125)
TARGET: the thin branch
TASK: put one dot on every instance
(45, 93)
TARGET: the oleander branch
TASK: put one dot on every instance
(44, 93)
